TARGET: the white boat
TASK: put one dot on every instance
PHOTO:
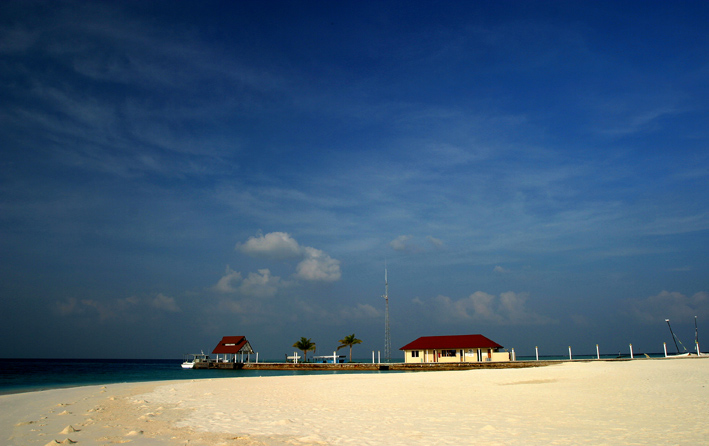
(686, 353)
(680, 355)
(188, 363)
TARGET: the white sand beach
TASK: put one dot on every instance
(641, 402)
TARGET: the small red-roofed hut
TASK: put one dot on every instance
(458, 348)
(233, 347)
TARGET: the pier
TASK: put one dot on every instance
(370, 367)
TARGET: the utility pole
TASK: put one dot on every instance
(387, 336)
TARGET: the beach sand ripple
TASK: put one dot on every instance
(600, 402)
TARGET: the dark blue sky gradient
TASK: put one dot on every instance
(172, 172)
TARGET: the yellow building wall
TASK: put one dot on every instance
(428, 356)
(500, 356)
(408, 357)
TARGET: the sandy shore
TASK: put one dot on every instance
(659, 402)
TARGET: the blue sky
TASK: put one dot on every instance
(171, 173)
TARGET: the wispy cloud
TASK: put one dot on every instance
(669, 305)
(508, 308)
(438, 243)
(261, 284)
(143, 120)
(129, 308)
(402, 243)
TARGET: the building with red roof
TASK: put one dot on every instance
(232, 347)
(457, 348)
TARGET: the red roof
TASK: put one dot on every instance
(231, 345)
(451, 342)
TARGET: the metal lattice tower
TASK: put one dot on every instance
(387, 336)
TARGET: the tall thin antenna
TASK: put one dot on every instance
(387, 336)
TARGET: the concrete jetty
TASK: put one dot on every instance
(368, 367)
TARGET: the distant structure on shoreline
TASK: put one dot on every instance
(454, 349)
(387, 335)
(233, 346)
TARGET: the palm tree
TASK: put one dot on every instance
(305, 345)
(349, 341)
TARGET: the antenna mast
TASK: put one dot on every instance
(387, 337)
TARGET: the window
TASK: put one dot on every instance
(415, 354)
(448, 353)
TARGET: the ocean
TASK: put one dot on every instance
(26, 375)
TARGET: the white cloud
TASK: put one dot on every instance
(501, 270)
(482, 305)
(318, 266)
(274, 245)
(260, 285)
(165, 303)
(513, 305)
(669, 305)
(227, 284)
(506, 309)
(400, 243)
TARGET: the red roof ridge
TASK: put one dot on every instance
(451, 342)
(231, 345)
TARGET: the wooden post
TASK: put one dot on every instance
(598, 354)
(631, 351)
(570, 358)
(536, 352)
(664, 345)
